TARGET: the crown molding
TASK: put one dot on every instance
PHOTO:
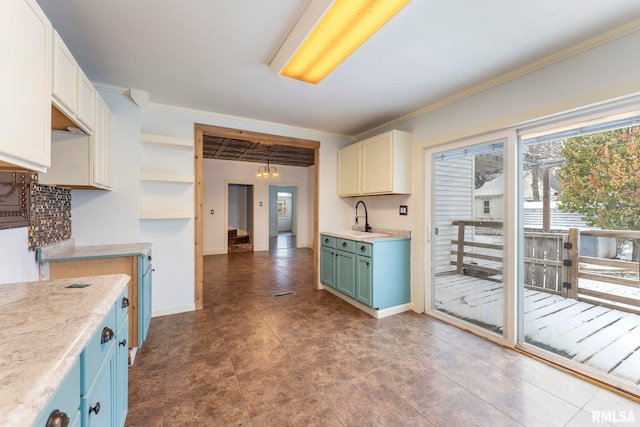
(591, 43)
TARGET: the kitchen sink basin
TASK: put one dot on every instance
(355, 233)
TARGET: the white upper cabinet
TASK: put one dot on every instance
(102, 154)
(65, 77)
(86, 101)
(386, 163)
(25, 86)
(376, 166)
(83, 161)
(72, 91)
(349, 171)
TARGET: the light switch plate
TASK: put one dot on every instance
(403, 209)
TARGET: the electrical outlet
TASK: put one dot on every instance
(211, 211)
(403, 209)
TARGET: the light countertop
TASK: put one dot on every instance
(44, 326)
(377, 234)
(65, 251)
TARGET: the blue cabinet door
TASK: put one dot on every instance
(363, 280)
(145, 309)
(327, 266)
(145, 289)
(122, 373)
(346, 273)
(97, 404)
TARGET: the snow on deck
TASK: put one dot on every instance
(602, 338)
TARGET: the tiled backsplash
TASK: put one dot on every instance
(50, 215)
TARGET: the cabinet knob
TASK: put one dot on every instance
(367, 263)
(363, 248)
(149, 258)
(326, 240)
(95, 409)
(125, 302)
(57, 419)
(344, 244)
(107, 335)
(123, 343)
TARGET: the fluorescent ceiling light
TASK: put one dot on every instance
(327, 33)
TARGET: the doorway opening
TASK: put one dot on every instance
(240, 218)
(283, 217)
(232, 141)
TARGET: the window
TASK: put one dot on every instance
(486, 207)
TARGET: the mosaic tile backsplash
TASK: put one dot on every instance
(50, 215)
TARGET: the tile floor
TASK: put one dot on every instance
(309, 359)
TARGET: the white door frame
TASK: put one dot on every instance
(510, 251)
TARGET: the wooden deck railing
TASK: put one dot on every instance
(551, 263)
(579, 270)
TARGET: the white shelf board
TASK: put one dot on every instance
(183, 214)
(166, 177)
(166, 141)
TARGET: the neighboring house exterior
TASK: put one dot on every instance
(488, 206)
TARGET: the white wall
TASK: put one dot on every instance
(16, 263)
(109, 217)
(219, 173)
(173, 248)
(604, 73)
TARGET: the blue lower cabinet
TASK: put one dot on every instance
(122, 373)
(65, 402)
(363, 280)
(95, 392)
(346, 273)
(328, 266)
(145, 290)
(376, 274)
(98, 402)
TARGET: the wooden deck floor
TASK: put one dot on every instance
(602, 338)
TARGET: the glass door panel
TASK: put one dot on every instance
(580, 283)
(467, 244)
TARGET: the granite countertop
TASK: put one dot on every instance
(67, 250)
(44, 326)
(377, 234)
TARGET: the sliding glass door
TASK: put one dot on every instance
(467, 216)
(580, 226)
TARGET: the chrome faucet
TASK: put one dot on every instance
(367, 227)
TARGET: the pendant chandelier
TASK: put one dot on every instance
(268, 171)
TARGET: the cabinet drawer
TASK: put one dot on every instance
(97, 349)
(66, 398)
(122, 307)
(328, 241)
(363, 249)
(346, 245)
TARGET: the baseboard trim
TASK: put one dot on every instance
(378, 314)
(173, 310)
(214, 252)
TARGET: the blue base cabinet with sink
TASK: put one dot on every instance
(375, 274)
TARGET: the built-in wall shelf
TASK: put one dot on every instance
(166, 177)
(178, 214)
(166, 141)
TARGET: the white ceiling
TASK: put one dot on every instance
(214, 55)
